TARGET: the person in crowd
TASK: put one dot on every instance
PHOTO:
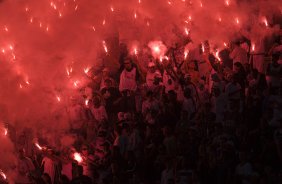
(25, 168)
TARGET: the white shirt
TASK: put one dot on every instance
(128, 80)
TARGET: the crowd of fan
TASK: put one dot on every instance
(202, 119)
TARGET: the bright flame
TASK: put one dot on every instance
(77, 157)
(217, 56)
(203, 48)
(237, 20)
(86, 70)
(186, 52)
(227, 2)
(58, 98)
(265, 21)
(3, 175)
(38, 146)
(163, 57)
(27, 82)
(69, 71)
(187, 31)
(253, 47)
(112, 9)
(86, 102)
(225, 44)
(5, 131)
(105, 47)
(75, 83)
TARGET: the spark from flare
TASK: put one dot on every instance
(227, 2)
(112, 9)
(58, 98)
(104, 22)
(135, 15)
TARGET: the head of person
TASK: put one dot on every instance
(238, 67)
(275, 58)
(96, 101)
(128, 63)
(151, 67)
(46, 178)
(108, 83)
(21, 153)
(105, 72)
(187, 93)
(85, 149)
(187, 78)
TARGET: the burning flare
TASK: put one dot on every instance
(3, 175)
(38, 146)
(77, 157)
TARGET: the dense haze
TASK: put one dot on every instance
(40, 40)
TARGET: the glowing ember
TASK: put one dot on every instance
(38, 146)
(77, 157)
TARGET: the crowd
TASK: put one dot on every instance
(205, 118)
